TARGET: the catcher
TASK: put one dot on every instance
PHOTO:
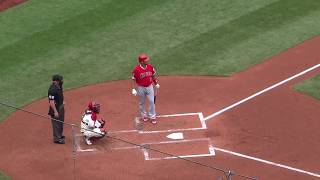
(92, 128)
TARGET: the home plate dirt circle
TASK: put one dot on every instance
(147, 135)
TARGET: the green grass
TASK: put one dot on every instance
(310, 87)
(97, 41)
(4, 177)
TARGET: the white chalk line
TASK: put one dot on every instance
(122, 131)
(147, 156)
(125, 148)
(199, 114)
(170, 130)
(203, 126)
(178, 141)
(210, 149)
(182, 114)
(79, 149)
(164, 142)
(87, 150)
(261, 92)
(203, 122)
(251, 97)
(267, 162)
(174, 157)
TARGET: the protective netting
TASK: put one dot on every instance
(113, 141)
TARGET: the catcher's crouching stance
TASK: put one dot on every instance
(92, 128)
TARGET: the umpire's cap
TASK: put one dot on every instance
(57, 77)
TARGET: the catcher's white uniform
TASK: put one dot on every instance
(91, 126)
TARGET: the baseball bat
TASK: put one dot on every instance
(155, 94)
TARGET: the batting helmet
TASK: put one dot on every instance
(143, 58)
(93, 106)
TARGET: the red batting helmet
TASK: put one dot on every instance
(93, 106)
(143, 58)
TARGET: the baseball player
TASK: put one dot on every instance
(144, 77)
(92, 128)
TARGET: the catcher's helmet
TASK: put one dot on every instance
(143, 58)
(93, 106)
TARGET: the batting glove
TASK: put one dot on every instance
(157, 86)
(134, 92)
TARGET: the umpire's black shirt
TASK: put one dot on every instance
(55, 93)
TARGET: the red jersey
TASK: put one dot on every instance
(143, 76)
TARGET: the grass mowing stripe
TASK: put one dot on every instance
(29, 64)
(108, 51)
(310, 87)
(265, 45)
(171, 24)
(36, 15)
(143, 24)
(220, 39)
(151, 31)
(70, 31)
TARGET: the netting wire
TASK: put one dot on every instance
(228, 174)
(74, 150)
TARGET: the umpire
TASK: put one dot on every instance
(56, 108)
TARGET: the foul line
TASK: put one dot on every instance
(267, 162)
(260, 92)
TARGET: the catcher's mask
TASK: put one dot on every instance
(94, 106)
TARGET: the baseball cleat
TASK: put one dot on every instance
(153, 121)
(145, 119)
(60, 141)
(87, 140)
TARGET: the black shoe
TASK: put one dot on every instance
(63, 137)
(60, 141)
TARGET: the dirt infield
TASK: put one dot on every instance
(6, 4)
(272, 135)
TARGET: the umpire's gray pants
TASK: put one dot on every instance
(57, 127)
(143, 93)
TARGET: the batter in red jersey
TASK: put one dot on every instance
(144, 77)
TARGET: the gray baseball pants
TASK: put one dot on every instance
(143, 93)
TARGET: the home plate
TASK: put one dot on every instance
(175, 136)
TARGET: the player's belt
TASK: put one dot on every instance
(145, 86)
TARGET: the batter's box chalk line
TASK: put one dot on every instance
(139, 124)
(147, 157)
(138, 130)
(79, 137)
